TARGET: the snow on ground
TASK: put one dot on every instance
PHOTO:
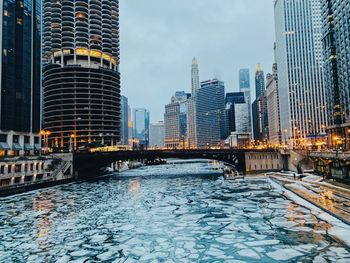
(339, 229)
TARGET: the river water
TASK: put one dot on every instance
(169, 213)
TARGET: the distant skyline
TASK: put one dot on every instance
(160, 38)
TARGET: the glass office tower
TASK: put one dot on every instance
(210, 113)
(20, 65)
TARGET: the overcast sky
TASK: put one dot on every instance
(159, 38)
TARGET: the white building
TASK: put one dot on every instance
(195, 85)
(273, 107)
(239, 140)
(175, 121)
(191, 123)
(299, 57)
(157, 134)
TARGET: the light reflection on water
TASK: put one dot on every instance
(163, 214)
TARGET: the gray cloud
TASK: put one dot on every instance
(160, 37)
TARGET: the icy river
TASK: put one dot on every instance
(169, 213)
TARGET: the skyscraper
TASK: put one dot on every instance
(245, 112)
(259, 82)
(191, 123)
(259, 108)
(175, 119)
(81, 79)
(124, 121)
(157, 134)
(260, 119)
(236, 117)
(194, 77)
(336, 32)
(244, 79)
(210, 113)
(141, 121)
(299, 57)
(20, 77)
(191, 106)
(273, 107)
(20, 65)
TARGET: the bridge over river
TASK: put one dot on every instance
(88, 164)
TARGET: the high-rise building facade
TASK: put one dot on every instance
(260, 119)
(191, 123)
(299, 57)
(81, 80)
(175, 119)
(157, 134)
(130, 126)
(245, 112)
(273, 107)
(124, 120)
(191, 106)
(195, 85)
(141, 121)
(210, 113)
(259, 82)
(20, 77)
(236, 117)
(20, 66)
(244, 79)
(259, 108)
(336, 38)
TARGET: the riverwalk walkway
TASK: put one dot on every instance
(332, 198)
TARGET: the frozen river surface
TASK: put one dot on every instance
(161, 214)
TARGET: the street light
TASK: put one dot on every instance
(46, 135)
(72, 142)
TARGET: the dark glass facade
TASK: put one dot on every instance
(336, 40)
(20, 65)
(259, 82)
(244, 79)
(124, 121)
(232, 98)
(210, 113)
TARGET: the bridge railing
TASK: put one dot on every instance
(331, 155)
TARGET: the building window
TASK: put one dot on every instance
(15, 139)
(3, 137)
(18, 168)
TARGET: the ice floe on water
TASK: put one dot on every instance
(139, 217)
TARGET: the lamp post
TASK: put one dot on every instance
(46, 135)
(72, 142)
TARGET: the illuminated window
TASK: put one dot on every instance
(80, 15)
(5, 52)
(6, 13)
(19, 21)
